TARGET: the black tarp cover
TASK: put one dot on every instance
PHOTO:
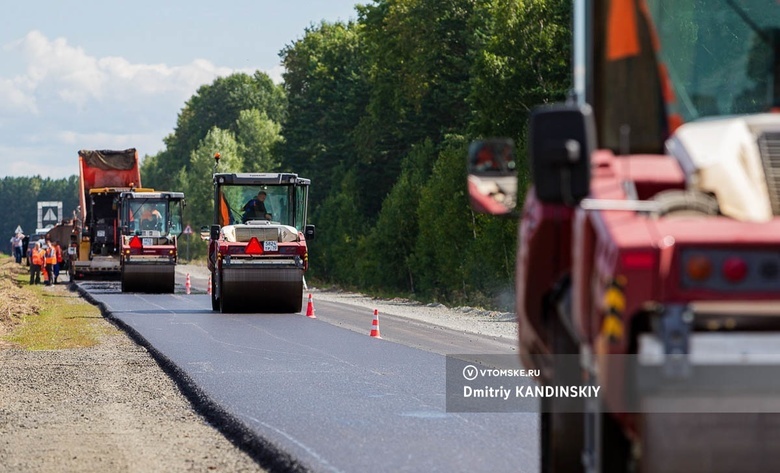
(106, 159)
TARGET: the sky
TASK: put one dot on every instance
(87, 74)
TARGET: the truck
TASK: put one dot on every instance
(257, 261)
(103, 176)
(648, 260)
(151, 224)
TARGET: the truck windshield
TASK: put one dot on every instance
(154, 215)
(281, 204)
(721, 55)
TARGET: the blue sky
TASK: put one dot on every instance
(112, 75)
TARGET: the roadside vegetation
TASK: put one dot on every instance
(44, 318)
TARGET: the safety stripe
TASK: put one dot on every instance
(622, 31)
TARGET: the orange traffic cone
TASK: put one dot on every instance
(375, 325)
(187, 284)
(310, 309)
(208, 287)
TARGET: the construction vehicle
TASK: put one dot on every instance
(151, 223)
(257, 262)
(103, 175)
(649, 243)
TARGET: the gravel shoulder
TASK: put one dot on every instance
(107, 408)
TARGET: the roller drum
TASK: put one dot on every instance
(259, 289)
(148, 278)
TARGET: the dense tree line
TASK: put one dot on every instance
(20, 197)
(378, 112)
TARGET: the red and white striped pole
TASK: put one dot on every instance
(187, 284)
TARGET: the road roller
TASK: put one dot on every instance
(151, 226)
(257, 242)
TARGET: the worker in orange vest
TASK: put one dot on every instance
(36, 261)
(58, 263)
(50, 259)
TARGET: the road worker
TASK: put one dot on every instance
(36, 261)
(151, 219)
(50, 259)
(59, 260)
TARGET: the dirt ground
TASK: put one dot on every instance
(107, 408)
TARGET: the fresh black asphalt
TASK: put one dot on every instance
(303, 394)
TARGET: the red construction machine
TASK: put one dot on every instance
(103, 175)
(257, 242)
(151, 224)
(650, 241)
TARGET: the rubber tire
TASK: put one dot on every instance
(561, 433)
(214, 298)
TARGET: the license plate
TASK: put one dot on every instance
(101, 233)
(148, 241)
(270, 246)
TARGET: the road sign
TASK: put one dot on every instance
(49, 214)
(18, 229)
(188, 230)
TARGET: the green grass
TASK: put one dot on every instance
(64, 320)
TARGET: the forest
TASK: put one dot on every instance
(378, 112)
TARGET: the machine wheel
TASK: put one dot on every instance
(562, 420)
(214, 298)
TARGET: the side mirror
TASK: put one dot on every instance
(308, 232)
(561, 141)
(214, 233)
(492, 180)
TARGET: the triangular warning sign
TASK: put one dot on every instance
(187, 230)
(18, 229)
(50, 215)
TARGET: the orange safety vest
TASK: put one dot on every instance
(58, 248)
(51, 255)
(37, 256)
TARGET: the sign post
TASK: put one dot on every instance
(188, 232)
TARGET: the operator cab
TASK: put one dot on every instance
(152, 214)
(261, 199)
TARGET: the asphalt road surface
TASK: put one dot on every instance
(314, 395)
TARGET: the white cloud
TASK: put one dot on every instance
(276, 73)
(63, 99)
(14, 99)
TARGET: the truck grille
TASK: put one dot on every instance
(769, 146)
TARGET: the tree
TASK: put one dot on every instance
(196, 183)
(334, 254)
(258, 138)
(445, 232)
(326, 85)
(389, 244)
(513, 69)
(217, 105)
(419, 71)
